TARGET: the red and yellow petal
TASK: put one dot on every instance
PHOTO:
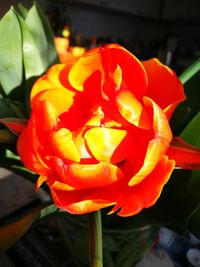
(48, 81)
(113, 56)
(164, 87)
(157, 146)
(78, 202)
(30, 159)
(185, 155)
(103, 143)
(63, 146)
(61, 98)
(47, 115)
(132, 110)
(89, 63)
(143, 195)
(89, 175)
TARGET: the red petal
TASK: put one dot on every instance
(185, 155)
(88, 175)
(131, 109)
(133, 199)
(15, 125)
(113, 56)
(77, 202)
(163, 85)
(157, 146)
(26, 152)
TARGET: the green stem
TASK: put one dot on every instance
(95, 239)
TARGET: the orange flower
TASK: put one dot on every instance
(99, 135)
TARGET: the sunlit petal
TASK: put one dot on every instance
(157, 147)
(164, 87)
(92, 175)
(131, 109)
(48, 81)
(63, 146)
(103, 143)
(60, 98)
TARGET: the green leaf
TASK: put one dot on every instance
(22, 10)
(50, 210)
(12, 232)
(191, 80)
(190, 71)
(52, 53)
(191, 133)
(11, 67)
(33, 64)
(42, 34)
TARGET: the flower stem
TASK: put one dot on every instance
(95, 239)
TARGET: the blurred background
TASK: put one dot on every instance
(165, 29)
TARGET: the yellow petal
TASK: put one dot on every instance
(61, 98)
(117, 77)
(63, 145)
(131, 109)
(40, 181)
(103, 142)
(157, 146)
(92, 175)
(48, 81)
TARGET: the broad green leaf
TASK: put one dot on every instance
(22, 10)
(11, 67)
(52, 53)
(191, 133)
(12, 232)
(37, 26)
(33, 64)
(191, 80)
(190, 71)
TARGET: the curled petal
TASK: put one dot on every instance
(48, 81)
(143, 195)
(114, 56)
(108, 145)
(31, 160)
(89, 63)
(77, 202)
(63, 146)
(164, 87)
(60, 98)
(157, 147)
(131, 109)
(89, 175)
(185, 155)
(40, 181)
(87, 206)
(48, 116)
